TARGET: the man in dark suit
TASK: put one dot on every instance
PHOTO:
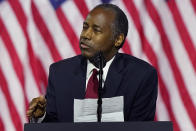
(105, 30)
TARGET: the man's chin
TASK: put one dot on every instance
(87, 54)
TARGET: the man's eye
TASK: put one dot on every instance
(85, 26)
(97, 30)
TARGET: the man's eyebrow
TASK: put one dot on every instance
(94, 25)
(97, 26)
(85, 23)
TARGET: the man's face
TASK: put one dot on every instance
(97, 34)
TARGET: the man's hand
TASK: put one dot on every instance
(37, 107)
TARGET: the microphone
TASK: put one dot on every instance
(99, 61)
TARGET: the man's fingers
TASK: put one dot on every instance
(29, 113)
(32, 106)
(39, 101)
(39, 112)
(36, 107)
(42, 99)
(40, 105)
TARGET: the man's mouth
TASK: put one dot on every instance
(84, 45)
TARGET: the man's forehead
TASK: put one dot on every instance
(105, 11)
(100, 15)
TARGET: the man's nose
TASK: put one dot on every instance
(87, 34)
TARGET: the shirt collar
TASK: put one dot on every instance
(90, 67)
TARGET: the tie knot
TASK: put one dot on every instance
(95, 72)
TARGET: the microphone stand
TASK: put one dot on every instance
(99, 61)
(100, 89)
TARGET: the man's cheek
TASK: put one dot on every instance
(96, 46)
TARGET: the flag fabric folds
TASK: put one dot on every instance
(36, 33)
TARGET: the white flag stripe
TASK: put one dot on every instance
(145, 58)
(49, 17)
(92, 3)
(30, 84)
(9, 72)
(75, 21)
(189, 17)
(26, 4)
(182, 59)
(139, 4)
(5, 114)
(161, 110)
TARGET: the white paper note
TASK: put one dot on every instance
(85, 110)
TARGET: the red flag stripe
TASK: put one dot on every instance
(17, 64)
(126, 48)
(155, 118)
(45, 32)
(150, 54)
(185, 37)
(82, 7)
(69, 32)
(18, 12)
(37, 68)
(42, 76)
(12, 109)
(166, 45)
(194, 4)
(2, 127)
(167, 100)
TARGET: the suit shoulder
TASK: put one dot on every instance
(135, 62)
(69, 62)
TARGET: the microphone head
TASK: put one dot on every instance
(98, 60)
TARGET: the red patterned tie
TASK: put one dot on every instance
(92, 86)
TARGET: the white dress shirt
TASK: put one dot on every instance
(90, 68)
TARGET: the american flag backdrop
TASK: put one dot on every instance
(36, 33)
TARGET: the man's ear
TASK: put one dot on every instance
(119, 40)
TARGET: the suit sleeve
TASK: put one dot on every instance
(51, 113)
(144, 105)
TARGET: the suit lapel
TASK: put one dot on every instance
(80, 79)
(114, 77)
(112, 83)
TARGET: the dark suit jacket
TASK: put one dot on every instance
(128, 76)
